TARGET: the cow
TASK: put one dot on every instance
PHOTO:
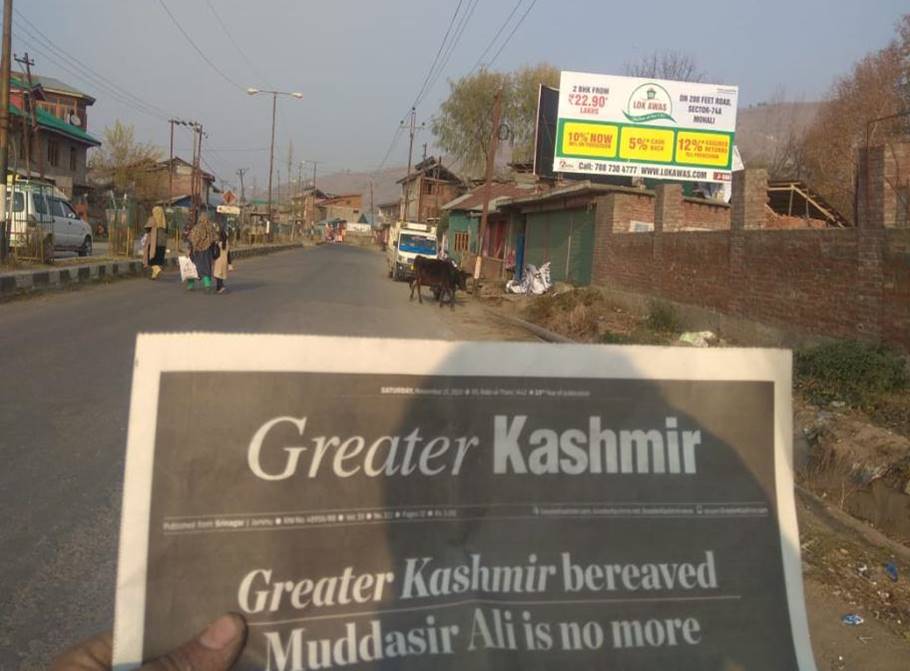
(443, 277)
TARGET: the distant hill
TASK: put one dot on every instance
(761, 128)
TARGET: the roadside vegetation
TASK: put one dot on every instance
(868, 377)
(851, 401)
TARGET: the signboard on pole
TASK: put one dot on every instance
(650, 128)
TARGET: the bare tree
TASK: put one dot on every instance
(676, 65)
(872, 90)
(122, 159)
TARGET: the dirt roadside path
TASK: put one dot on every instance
(872, 646)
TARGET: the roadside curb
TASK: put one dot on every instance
(539, 331)
(27, 282)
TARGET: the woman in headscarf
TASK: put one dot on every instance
(223, 262)
(202, 240)
(155, 242)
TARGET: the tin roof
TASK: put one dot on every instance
(499, 192)
(48, 121)
(49, 84)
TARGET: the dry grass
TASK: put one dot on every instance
(586, 315)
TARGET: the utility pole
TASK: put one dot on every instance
(372, 209)
(275, 94)
(407, 187)
(170, 165)
(315, 163)
(300, 197)
(197, 176)
(27, 126)
(488, 179)
(4, 121)
(240, 174)
(271, 163)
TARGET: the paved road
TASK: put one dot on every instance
(65, 361)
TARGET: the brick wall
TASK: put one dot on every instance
(849, 283)
(633, 207)
(783, 221)
(896, 286)
(705, 214)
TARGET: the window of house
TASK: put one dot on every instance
(428, 187)
(461, 241)
(73, 159)
(53, 153)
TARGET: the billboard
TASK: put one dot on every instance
(649, 128)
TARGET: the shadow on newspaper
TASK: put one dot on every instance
(560, 507)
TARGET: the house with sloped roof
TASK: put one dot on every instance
(58, 150)
(426, 189)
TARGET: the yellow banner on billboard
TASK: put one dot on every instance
(641, 143)
(589, 139)
(696, 148)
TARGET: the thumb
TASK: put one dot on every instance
(215, 649)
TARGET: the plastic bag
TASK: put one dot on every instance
(535, 281)
(187, 269)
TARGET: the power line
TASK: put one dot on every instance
(459, 31)
(90, 80)
(252, 66)
(197, 49)
(438, 52)
(388, 152)
(433, 77)
(496, 36)
(98, 79)
(81, 77)
(517, 25)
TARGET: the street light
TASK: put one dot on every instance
(294, 94)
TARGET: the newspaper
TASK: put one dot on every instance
(418, 504)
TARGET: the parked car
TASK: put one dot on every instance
(40, 206)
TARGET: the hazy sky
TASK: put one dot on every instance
(360, 63)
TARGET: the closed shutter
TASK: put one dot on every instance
(581, 248)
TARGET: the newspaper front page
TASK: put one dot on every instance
(405, 504)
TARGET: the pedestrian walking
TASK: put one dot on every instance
(202, 239)
(155, 242)
(223, 262)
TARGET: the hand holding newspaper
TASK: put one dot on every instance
(416, 504)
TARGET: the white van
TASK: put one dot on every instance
(43, 206)
(407, 241)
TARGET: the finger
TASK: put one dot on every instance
(93, 654)
(214, 649)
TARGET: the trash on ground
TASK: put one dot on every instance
(698, 338)
(891, 570)
(852, 619)
(535, 281)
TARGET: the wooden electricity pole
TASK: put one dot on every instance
(488, 180)
(170, 165)
(28, 125)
